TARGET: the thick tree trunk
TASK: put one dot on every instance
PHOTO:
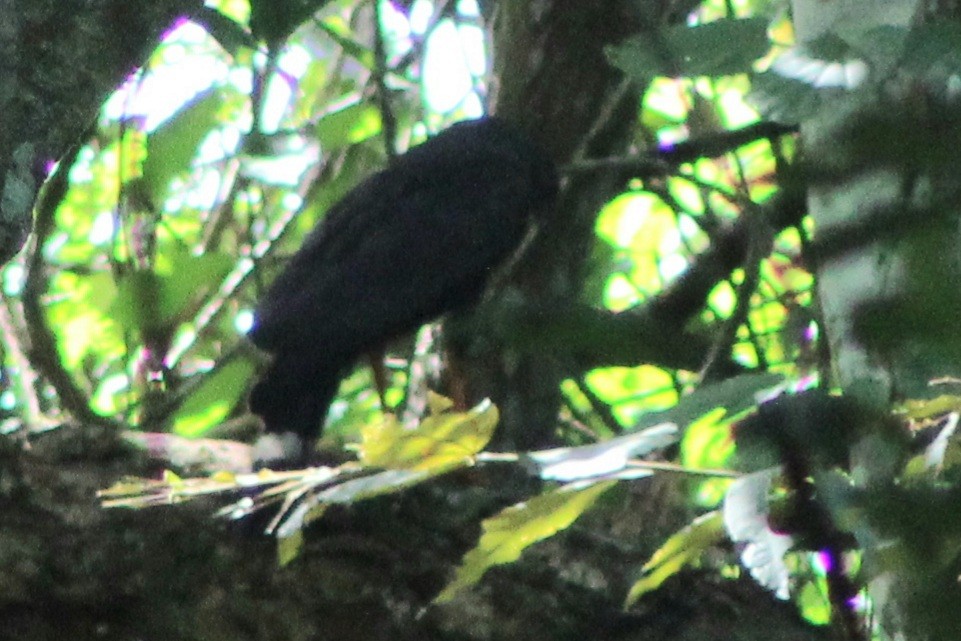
(61, 58)
(551, 76)
(873, 272)
(878, 277)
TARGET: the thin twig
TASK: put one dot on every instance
(43, 352)
(758, 248)
(387, 118)
(666, 159)
(604, 116)
(601, 409)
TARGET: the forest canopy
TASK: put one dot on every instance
(744, 293)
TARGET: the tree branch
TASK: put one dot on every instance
(387, 118)
(43, 343)
(666, 159)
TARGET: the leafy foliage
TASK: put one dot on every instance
(442, 439)
(155, 286)
(188, 196)
(702, 50)
(172, 146)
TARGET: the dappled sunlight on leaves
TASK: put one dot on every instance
(442, 439)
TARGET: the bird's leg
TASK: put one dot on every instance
(376, 358)
(456, 381)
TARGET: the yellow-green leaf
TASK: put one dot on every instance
(517, 527)
(348, 126)
(289, 547)
(443, 440)
(920, 409)
(684, 547)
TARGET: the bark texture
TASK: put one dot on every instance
(551, 77)
(862, 290)
(70, 570)
(60, 60)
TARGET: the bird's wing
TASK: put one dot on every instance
(405, 246)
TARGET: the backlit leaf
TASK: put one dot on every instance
(507, 534)
(210, 404)
(348, 126)
(172, 147)
(441, 440)
(683, 548)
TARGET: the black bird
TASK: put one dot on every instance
(410, 243)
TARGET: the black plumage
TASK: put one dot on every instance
(408, 244)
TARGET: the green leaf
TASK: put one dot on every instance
(719, 48)
(598, 271)
(516, 528)
(734, 394)
(813, 602)
(786, 100)
(444, 440)
(82, 319)
(210, 404)
(188, 277)
(348, 126)
(821, 75)
(274, 20)
(683, 548)
(172, 146)
(225, 30)
(341, 33)
(943, 453)
(137, 304)
(290, 535)
(157, 301)
(289, 547)
(921, 409)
